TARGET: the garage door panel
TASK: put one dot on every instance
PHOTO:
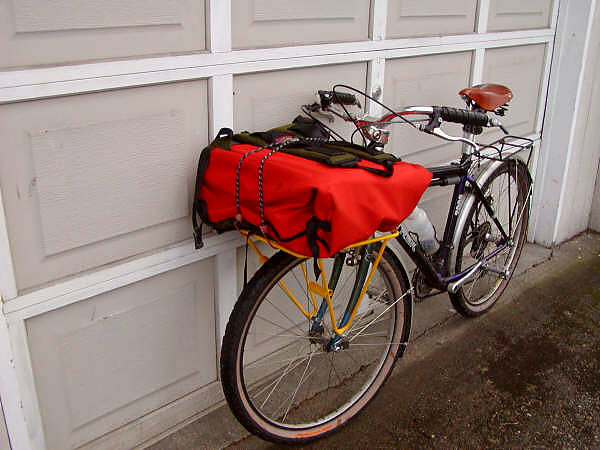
(425, 80)
(34, 32)
(407, 18)
(519, 14)
(270, 23)
(269, 99)
(114, 357)
(128, 195)
(88, 180)
(521, 69)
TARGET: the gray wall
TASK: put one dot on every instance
(34, 32)
(102, 181)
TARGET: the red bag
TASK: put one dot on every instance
(308, 207)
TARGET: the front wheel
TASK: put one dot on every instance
(281, 376)
(507, 190)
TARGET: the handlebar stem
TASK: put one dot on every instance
(468, 137)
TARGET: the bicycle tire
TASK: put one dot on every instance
(314, 412)
(479, 294)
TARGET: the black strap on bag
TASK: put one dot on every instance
(312, 227)
(223, 140)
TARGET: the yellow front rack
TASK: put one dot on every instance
(321, 289)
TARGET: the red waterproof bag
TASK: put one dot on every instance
(307, 206)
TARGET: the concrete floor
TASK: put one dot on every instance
(526, 374)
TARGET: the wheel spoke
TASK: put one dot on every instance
(294, 324)
(297, 387)
(507, 191)
(275, 324)
(289, 379)
(283, 374)
(382, 313)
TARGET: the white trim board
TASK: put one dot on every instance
(568, 52)
(226, 293)
(10, 391)
(32, 84)
(13, 78)
(219, 25)
(574, 122)
(379, 14)
(483, 15)
(477, 66)
(104, 280)
(541, 111)
(375, 84)
(220, 103)
(8, 286)
(25, 376)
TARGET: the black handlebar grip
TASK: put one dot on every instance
(344, 98)
(463, 116)
(341, 98)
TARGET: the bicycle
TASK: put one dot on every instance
(290, 373)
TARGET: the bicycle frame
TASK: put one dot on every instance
(437, 274)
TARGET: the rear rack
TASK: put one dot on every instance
(505, 147)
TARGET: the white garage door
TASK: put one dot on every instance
(114, 318)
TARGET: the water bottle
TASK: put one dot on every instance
(419, 223)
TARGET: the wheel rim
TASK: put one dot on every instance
(289, 380)
(509, 204)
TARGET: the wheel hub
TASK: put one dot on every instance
(480, 242)
(338, 343)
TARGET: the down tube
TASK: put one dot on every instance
(411, 247)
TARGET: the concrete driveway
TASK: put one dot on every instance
(527, 374)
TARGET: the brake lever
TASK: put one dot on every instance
(437, 131)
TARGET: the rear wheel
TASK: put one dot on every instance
(507, 190)
(282, 378)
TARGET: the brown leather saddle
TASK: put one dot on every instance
(488, 96)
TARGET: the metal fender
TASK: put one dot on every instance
(481, 175)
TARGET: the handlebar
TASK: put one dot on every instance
(463, 116)
(373, 129)
(449, 114)
(445, 113)
(337, 98)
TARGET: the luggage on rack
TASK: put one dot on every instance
(312, 196)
